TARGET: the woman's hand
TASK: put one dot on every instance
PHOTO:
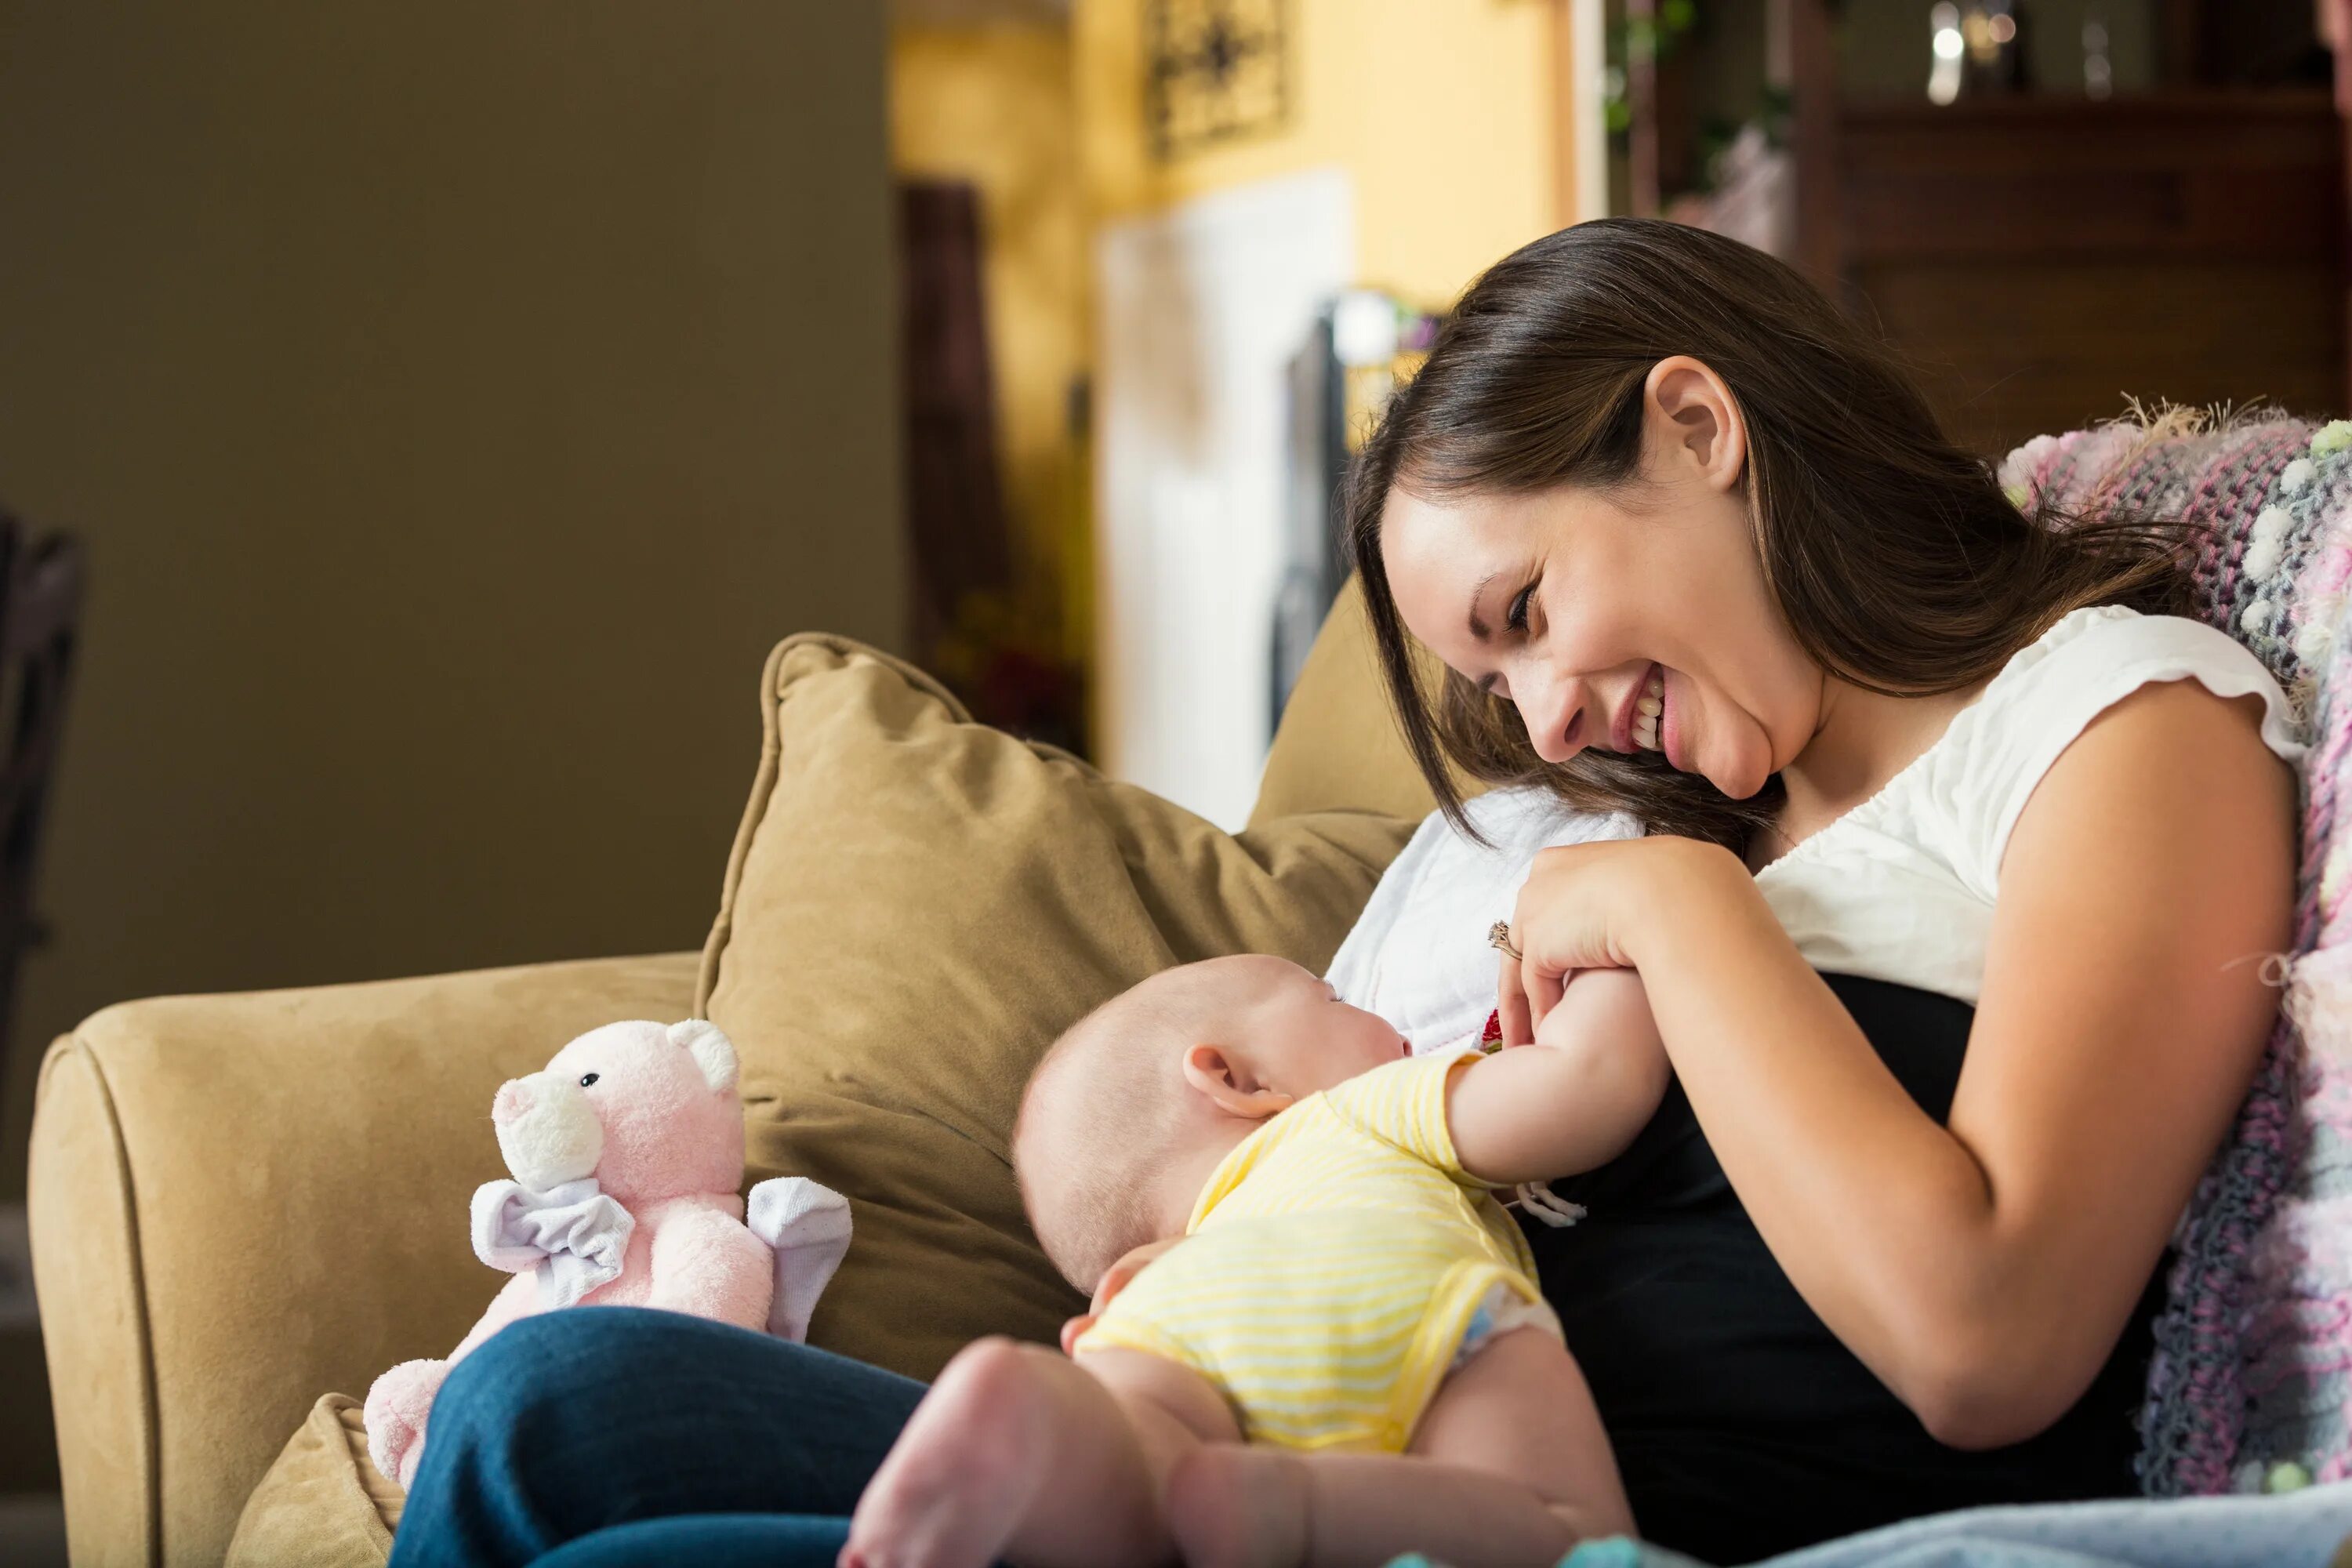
(1588, 906)
(1117, 1278)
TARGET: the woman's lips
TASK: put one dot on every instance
(1669, 734)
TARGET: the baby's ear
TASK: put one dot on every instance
(714, 1053)
(1228, 1081)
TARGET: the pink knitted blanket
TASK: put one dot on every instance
(2254, 1364)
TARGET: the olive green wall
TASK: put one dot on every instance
(457, 399)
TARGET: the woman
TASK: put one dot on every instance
(1956, 868)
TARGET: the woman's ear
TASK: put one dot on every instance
(1226, 1078)
(1691, 421)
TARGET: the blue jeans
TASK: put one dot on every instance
(615, 1436)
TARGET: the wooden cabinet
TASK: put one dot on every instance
(2039, 259)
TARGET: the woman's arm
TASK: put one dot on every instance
(1982, 1268)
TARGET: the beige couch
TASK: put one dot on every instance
(189, 1152)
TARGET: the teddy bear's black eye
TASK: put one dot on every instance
(587, 1079)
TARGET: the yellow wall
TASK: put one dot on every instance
(993, 103)
(1441, 111)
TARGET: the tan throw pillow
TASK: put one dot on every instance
(322, 1502)
(916, 905)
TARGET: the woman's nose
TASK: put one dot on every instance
(1550, 706)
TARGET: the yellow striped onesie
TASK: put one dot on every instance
(1339, 1258)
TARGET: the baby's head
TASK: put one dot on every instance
(1130, 1107)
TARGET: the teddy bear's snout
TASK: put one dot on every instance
(547, 1130)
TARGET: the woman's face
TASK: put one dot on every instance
(1630, 621)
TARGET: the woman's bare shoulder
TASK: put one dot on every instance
(2172, 757)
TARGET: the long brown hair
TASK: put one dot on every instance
(1895, 558)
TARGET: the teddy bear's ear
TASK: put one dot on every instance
(714, 1053)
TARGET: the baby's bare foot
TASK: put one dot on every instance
(961, 1475)
(1231, 1507)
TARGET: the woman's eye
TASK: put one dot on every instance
(1516, 618)
(587, 1079)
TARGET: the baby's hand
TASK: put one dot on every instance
(1117, 1278)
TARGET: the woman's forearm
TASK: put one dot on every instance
(1982, 1267)
(1880, 1217)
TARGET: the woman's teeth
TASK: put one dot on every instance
(1652, 703)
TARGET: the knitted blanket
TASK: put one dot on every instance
(2247, 1389)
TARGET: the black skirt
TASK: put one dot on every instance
(1742, 1425)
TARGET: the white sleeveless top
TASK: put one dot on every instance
(1901, 887)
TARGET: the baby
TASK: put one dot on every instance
(1347, 1358)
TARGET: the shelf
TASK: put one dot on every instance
(2070, 112)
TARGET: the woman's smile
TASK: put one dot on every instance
(1649, 706)
(1659, 725)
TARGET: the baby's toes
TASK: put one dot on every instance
(933, 1531)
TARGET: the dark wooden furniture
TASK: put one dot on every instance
(957, 526)
(2041, 258)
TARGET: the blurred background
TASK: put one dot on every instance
(417, 421)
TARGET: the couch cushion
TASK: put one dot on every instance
(322, 1503)
(1339, 747)
(916, 907)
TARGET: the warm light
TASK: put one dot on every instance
(2004, 29)
(1944, 78)
(2098, 76)
(1364, 327)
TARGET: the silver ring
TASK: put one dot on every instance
(1498, 937)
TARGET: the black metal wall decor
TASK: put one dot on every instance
(1215, 70)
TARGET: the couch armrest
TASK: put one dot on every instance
(240, 1202)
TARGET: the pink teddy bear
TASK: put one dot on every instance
(627, 1151)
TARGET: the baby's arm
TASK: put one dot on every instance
(1574, 1098)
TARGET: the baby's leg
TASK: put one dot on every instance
(1019, 1453)
(1509, 1465)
